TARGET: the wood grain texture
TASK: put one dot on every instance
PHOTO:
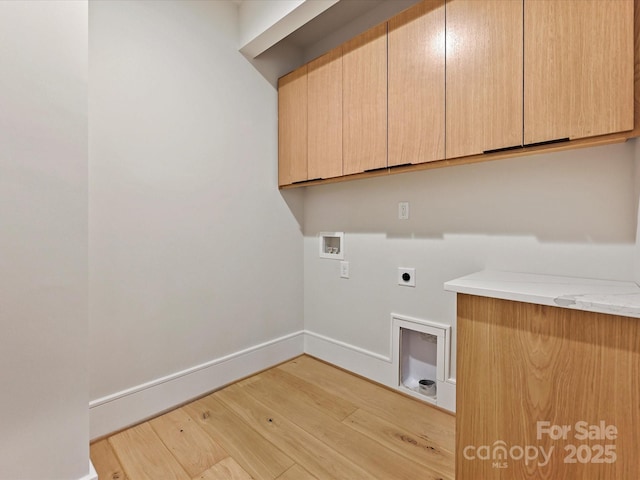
(378, 461)
(292, 127)
(303, 446)
(106, 462)
(311, 394)
(416, 118)
(143, 455)
(256, 455)
(296, 473)
(227, 469)
(579, 68)
(364, 90)
(324, 82)
(303, 420)
(193, 448)
(522, 363)
(417, 449)
(484, 76)
(407, 413)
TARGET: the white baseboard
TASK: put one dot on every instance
(92, 475)
(122, 409)
(371, 365)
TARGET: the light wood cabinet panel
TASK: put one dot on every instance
(520, 364)
(324, 81)
(364, 64)
(578, 67)
(416, 84)
(484, 76)
(292, 127)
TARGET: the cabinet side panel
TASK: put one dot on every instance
(416, 84)
(292, 127)
(520, 364)
(364, 64)
(579, 68)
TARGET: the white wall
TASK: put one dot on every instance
(570, 213)
(43, 240)
(194, 253)
(263, 23)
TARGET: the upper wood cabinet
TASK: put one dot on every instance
(292, 127)
(416, 116)
(324, 83)
(578, 64)
(449, 80)
(484, 76)
(364, 95)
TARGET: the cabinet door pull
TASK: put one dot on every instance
(548, 142)
(505, 149)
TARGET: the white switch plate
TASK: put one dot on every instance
(411, 282)
(344, 269)
(403, 210)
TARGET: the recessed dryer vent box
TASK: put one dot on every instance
(421, 354)
(332, 245)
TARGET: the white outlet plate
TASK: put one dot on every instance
(411, 282)
(344, 269)
(403, 210)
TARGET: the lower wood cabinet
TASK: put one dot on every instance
(546, 392)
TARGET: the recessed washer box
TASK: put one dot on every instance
(331, 245)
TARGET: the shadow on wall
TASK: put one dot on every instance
(578, 196)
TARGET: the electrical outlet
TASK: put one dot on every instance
(403, 210)
(344, 269)
(407, 277)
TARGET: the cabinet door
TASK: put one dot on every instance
(578, 68)
(416, 84)
(292, 127)
(484, 75)
(364, 64)
(324, 79)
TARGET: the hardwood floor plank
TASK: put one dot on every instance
(193, 448)
(227, 469)
(302, 420)
(143, 455)
(412, 415)
(254, 453)
(296, 473)
(401, 441)
(379, 461)
(106, 462)
(322, 461)
(307, 392)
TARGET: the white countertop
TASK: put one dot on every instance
(603, 296)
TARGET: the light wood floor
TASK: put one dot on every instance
(301, 420)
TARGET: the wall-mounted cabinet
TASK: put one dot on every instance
(416, 50)
(484, 76)
(324, 115)
(364, 94)
(578, 65)
(450, 82)
(292, 127)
